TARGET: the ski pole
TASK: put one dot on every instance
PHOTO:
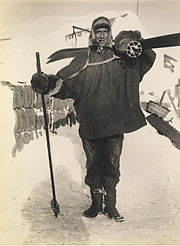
(54, 203)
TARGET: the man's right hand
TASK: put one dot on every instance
(40, 83)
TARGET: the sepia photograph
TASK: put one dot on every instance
(90, 122)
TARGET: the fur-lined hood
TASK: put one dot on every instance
(98, 23)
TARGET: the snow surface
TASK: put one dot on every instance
(148, 193)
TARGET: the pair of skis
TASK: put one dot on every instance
(169, 40)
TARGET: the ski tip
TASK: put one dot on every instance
(49, 61)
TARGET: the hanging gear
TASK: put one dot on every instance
(21, 97)
(15, 97)
(31, 135)
(22, 120)
(17, 121)
(71, 119)
(31, 119)
(27, 96)
(56, 119)
(19, 141)
(39, 122)
(63, 117)
(26, 137)
(32, 98)
(38, 101)
(18, 97)
(19, 144)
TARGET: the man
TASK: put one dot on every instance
(104, 84)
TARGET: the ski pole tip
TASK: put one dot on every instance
(55, 207)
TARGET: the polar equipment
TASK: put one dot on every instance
(54, 203)
(164, 41)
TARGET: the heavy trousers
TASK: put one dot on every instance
(103, 161)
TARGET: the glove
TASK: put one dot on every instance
(124, 38)
(40, 83)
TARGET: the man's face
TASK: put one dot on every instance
(101, 35)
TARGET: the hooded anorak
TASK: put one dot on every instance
(106, 94)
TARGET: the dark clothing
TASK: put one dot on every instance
(102, 164)
(106, 95)
(107, 104)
